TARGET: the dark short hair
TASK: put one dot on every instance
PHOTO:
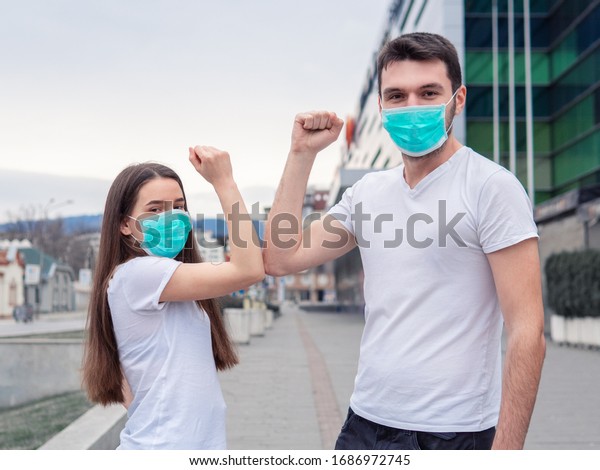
(421, 47)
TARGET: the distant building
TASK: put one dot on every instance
(48, 282)
(311, 285)
(12, 270)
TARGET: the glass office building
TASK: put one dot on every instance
(555, 153)
(564, 88)
(565, 84)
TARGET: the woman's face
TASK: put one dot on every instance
(155, 196)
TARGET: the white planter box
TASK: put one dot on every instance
(257, 322)
(558, 331)
(237, 322)
(268, 318)
(578, 331)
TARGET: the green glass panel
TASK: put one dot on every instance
(542, 137)
(564, 55)
(577, 160)
(480, 137)
(573, 123)
(479, 68)
(540, 68)
(543, 173)
(541, 196)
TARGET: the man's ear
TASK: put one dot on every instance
(461, 98)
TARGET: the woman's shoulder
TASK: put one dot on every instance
(142, 279)
(144, 265)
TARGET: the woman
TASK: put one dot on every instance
(155, 334)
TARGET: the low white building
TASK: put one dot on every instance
(12, 268)
(48, 282)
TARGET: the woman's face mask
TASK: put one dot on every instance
(417, 130)
(165, 234)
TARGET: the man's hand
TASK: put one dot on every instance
(314, 131)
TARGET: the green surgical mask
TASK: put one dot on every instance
(417, 130)
(165, 234)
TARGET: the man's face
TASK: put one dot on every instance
(416, 83)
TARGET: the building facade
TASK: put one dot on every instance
(532, 72)
(49, 284)
(314, 284)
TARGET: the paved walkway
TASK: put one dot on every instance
(292, 387)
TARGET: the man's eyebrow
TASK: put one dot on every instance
(392, 90)
(156, 201)
(432, 85)
(427, 86)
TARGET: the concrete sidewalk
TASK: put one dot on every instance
(44, 323)
(293, 385)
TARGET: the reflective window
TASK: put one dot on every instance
(573, 123)
(577, 160)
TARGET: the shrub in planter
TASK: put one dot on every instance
(573, 283)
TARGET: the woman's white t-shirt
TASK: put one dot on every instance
(166, 354)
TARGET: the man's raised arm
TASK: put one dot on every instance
(287, 249)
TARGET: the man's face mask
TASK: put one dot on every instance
(165, 234)
(417, 130)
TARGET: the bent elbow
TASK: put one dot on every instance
(274, 265)
(258, 275)
(274, 269)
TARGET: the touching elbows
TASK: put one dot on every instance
(274, 267)
(253, 276)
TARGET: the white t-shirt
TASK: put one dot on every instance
(430, 357)
(166, 354)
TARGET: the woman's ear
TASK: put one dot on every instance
(125, 230)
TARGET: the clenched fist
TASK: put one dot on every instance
(213, 164)
(315, 130)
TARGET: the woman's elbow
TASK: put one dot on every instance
(258, 274)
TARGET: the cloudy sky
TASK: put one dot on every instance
(91, 86)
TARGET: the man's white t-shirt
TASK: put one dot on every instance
(430, 354)
(166, 354)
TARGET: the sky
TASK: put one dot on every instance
(88, 87)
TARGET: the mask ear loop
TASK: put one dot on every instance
(139, 243)
(451, 98)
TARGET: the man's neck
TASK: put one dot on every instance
(417, 168)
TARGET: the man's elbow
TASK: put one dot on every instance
(274, 265)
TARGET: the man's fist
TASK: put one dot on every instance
(315, 130)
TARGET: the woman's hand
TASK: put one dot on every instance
(213, 164)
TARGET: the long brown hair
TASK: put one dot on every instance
(102, 375)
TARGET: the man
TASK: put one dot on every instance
(449, 251)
